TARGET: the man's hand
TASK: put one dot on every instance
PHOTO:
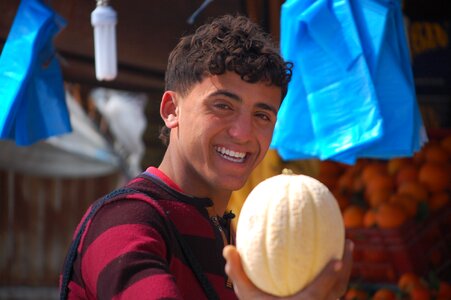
(330, 284)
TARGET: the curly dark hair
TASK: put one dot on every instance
(228, 43)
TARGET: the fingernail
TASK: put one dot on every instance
(351, 246)
(338, 265)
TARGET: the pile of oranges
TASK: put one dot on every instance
(387, 193)
(409, 287)
(378, 197)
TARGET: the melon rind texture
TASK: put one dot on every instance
(289, 227)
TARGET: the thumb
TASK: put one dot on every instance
(327, 279)
(234, 269)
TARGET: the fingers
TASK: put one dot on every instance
(321, 287)
(342, 284)
(234, 270)
(233, 264)
(330, 284)
(333, 280)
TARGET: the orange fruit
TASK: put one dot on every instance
(436, 177)
(369, 218)
(377, 197)
(414, 189)
(419, 157)
(438, 200)
(420, 293)
(406, 173)
(357, 185)
(379, 182)
(356, 169)
(353, 216)
(356, 294)
(374, 168)
(407, 202)
(330, 168)
(351, 181)
(408, 280)
(384, 294)
(435, 153)
(345, 183)
(390, 215)
(395, 164)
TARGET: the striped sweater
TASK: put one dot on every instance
(129, 251)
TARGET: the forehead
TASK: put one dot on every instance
(231, 85)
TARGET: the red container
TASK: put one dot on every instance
(382, 255)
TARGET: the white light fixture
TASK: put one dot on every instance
(104, 19)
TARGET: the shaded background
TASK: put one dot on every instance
(39, 206)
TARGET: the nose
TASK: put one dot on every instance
(241, 129)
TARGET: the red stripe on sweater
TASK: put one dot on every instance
(178, 213)
(136, 196)
(155, 287)
(190, 286)
(115, 242)
(76, 292)
(186, 280)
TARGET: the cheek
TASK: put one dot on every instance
(200, 131)
(264, 141)
(266, 137)
(210, 125)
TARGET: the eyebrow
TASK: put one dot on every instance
(235, 97)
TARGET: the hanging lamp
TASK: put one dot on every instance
(104, 19)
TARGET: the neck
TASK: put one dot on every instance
(219, 197)
(220, 205)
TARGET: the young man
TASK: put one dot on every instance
(163, 237)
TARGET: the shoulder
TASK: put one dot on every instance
(131, 215)
(125, 231)
(127, 210)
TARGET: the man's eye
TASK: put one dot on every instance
(222, 106)
(263, 116)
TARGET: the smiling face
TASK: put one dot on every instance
(219, 132)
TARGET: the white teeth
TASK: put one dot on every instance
(231, 155)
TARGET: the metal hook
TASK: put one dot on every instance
(192, 18)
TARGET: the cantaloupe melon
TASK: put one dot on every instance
(289, 228)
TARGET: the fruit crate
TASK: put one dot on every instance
(382, 255)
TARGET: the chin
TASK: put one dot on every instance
(231, 185)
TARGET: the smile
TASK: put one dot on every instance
(233, 156)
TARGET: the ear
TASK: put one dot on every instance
(169, 109)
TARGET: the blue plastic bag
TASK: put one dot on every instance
(352, 93)
(289, 130)
(385, 44)
(330, 73)
(32, 97)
